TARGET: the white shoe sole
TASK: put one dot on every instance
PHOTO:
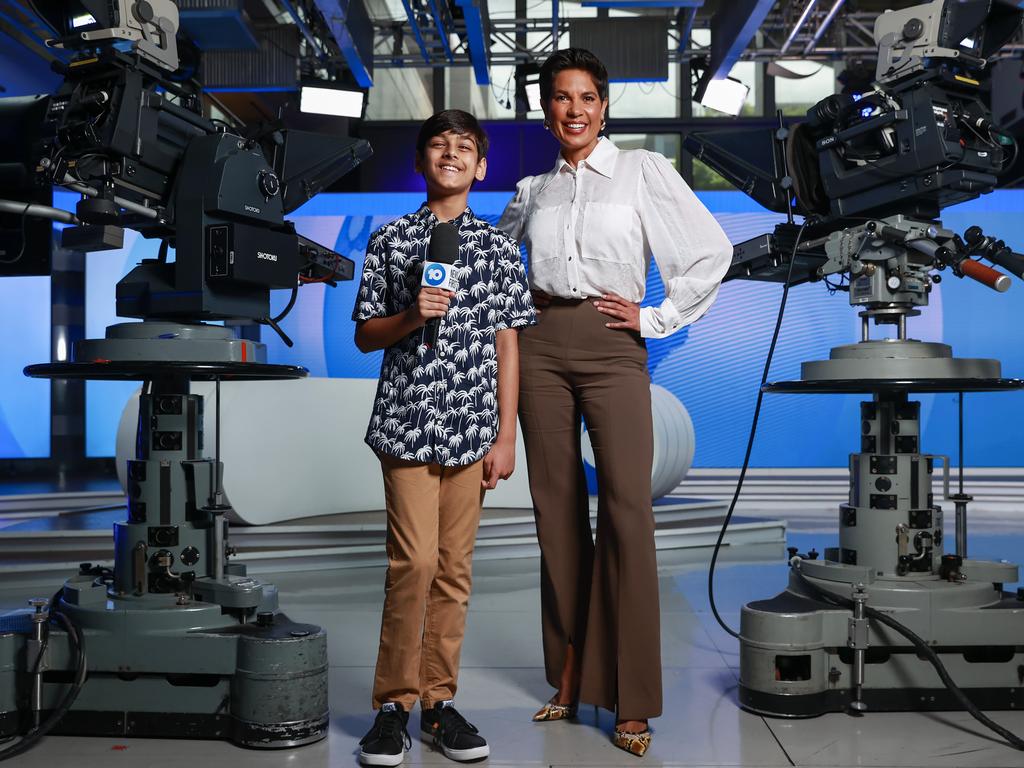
(369, 758)
(458, 755)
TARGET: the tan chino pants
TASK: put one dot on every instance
(433, 514)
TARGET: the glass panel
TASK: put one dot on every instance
(655, 99)
(401, 93)
(705, 178)
(496, 101)
(747, 72)
(795, 97)
(571, 10)
(386, 10)
(501, 9)
(668, 144)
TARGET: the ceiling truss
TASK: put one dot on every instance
(826, 34)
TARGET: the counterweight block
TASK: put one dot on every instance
(158, 668)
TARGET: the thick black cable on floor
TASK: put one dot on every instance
(77, 640)
(924, 650)
(750, 439)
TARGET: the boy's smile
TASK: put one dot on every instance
(451, 162)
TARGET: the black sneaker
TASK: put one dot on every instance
(449, 731)
(387, 741)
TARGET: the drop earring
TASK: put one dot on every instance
(547, 124)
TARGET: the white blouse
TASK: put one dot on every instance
(592, 229)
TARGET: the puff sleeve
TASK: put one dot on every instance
(513, 220)
(690, 248)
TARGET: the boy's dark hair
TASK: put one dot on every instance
(456, 121)
(573, 58)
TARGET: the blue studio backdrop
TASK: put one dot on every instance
(713, 367)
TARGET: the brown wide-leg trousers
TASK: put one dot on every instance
(433, 515)
(601, 597)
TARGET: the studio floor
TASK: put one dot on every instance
(502, 683)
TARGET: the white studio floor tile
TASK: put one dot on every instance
(502, 684)
(931, 739)
(702, 725)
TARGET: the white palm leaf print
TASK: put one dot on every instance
(439, 405)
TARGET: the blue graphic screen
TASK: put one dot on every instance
(713, 367)
(25, 405)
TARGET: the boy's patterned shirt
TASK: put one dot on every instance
(440, 405)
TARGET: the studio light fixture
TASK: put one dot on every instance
(725, 95)
(327, 99)
(528, 87)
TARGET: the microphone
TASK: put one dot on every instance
(437, 270)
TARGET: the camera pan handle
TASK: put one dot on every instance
(993, 278)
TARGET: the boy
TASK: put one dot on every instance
(443, 426)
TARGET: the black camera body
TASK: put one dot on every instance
(133, 140)
(919, 140)
(914, 148)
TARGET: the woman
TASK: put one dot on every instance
(590, 226)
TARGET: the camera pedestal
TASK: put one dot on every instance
(179, 641)
(801, 656)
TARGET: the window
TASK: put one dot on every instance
(496, 101)
(400, 93)
(655, 99)
(749, 73)
(705, 178)
(668, 144)
(795, 96)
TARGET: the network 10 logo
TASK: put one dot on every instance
(436, 275)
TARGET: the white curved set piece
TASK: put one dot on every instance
(294, 449)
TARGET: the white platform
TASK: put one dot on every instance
(43, 546)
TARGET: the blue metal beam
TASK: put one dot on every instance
(303, 27)
(336, 14)
(442, 22)
(732, 28)
(686, 18)
(29, 31)
(477, 38)
(554, 24)
(417, 33)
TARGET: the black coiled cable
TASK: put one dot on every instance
(77, 640)
(923, 649)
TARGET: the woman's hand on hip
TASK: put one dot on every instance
(627, 313)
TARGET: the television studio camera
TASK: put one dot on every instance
(871, 175)
(175, 640)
